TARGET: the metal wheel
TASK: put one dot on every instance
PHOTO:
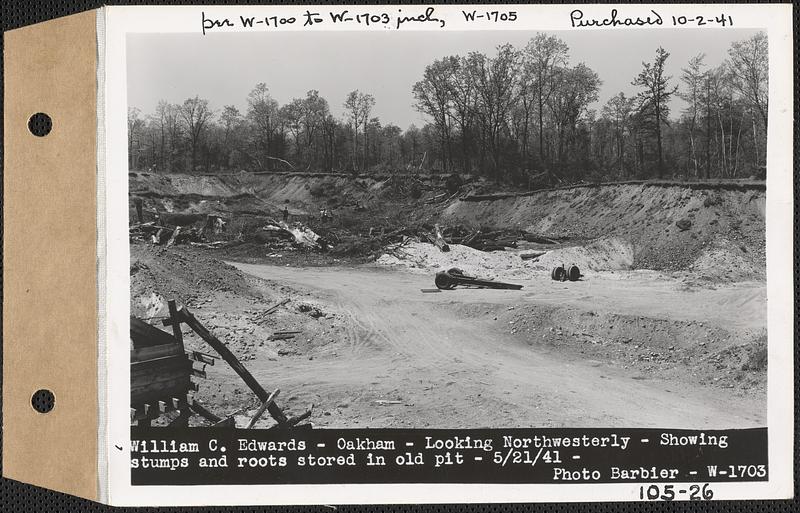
(573, 273)
(443, 281)
(558, 274)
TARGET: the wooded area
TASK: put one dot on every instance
(521, 116)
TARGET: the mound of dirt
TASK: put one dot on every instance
(611, 254)
(667, 227)
(177, 184)
(606, 254)
(424, 257)
(247, 191)
(159, 274)
(659, 348)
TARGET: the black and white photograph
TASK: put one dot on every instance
(493, 229)
(401, 254)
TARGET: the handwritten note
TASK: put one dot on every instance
(402, 18)
(411, 17)
(653, 18)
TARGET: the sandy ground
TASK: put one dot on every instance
(473, 358)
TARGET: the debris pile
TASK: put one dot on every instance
(169, 229)
(494, 240)
(161, 370)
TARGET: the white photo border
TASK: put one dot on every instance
(117, 22)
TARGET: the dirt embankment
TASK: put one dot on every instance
(714, 232)
(679, 350)
(268, 193)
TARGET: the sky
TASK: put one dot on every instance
(224, 68)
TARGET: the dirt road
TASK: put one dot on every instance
(440, 359)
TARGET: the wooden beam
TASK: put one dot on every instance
(145, 335)
(225, 423)
(262, 408)
(182, 420)
(235, 364)
(281, 336)
(202, 357)
(203, 412)
(176, 326)
(303, 416)
(275, 307)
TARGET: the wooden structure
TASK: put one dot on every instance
(161, 372)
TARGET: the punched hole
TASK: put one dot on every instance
(43, 401)
(40, 124)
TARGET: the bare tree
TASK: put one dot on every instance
(496, 85)
(693, 79)
(434, 98)
(135, 125)
(619, 110)
(464, 98)
(195, 114)
(543, 55)
(263, 114)
(359, 106)
(654, 98)
(575, 89)
(749, 65)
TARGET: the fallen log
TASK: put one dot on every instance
(278, 336)
(532, 255)
(491, 247)
(529, 237)
(470, 238)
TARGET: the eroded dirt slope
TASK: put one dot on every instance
(718, 232)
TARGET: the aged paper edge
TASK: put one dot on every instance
(50, 308)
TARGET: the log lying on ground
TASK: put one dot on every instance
(494, 240)
(529, 237)
(532, 255)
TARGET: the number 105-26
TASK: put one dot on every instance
(669, 492)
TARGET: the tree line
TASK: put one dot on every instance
(523, 115)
